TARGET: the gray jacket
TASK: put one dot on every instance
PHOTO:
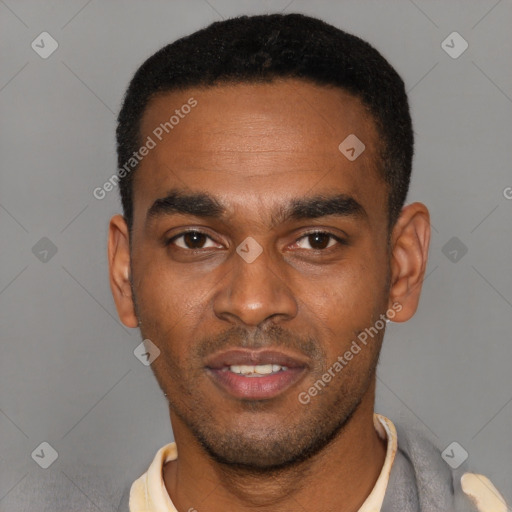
(421, 481)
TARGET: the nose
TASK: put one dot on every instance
(256, 290)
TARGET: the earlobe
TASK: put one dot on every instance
(119, 270)
(409, 253)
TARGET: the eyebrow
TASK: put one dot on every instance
(204, 205)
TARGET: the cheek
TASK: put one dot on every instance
(165, 308)
(167, 315)
(353, 288)
(350, 301)
(160, 288)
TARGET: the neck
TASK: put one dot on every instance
(339, 477)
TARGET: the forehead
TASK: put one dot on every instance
(257, 143)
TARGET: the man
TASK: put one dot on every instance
(264, 163)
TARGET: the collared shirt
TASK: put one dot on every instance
(149, 494)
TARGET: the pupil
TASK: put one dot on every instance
(317, 236)
(191, 239)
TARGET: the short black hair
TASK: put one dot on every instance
(253, 49)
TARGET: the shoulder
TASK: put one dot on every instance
(439, 486)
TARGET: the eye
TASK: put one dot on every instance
(191, 240)
(195, 240)
(319, 240)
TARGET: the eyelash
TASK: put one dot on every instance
(341, 241)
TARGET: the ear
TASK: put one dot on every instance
(410, 240)
(119, 270)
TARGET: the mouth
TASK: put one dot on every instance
(255, 374)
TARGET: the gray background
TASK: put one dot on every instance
(68, 373)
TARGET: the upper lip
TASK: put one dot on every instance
(240, 356)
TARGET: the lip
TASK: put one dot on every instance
(239, 356)
(255, 388)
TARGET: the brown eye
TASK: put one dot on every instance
(320, 240)
(190, 240)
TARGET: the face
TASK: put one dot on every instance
(259, 247)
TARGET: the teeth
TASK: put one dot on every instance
(256, 370)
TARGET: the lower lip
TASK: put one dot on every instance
(256, 388)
